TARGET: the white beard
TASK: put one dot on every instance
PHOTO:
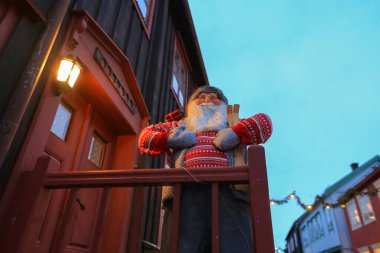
(206, 117)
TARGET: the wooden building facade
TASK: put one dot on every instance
(139, 60)
(362, 213)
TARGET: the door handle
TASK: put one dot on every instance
(81, 204)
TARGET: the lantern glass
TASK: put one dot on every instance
(64, 70)
(75, 71)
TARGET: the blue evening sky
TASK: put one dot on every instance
(314, 67)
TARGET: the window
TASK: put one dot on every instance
(180, 73)
(376, 247)
(295, 240)
(97, 150)
(319, 223)
(353, 215)
(363, 250)
(377, 186)
(145, 9)
(291, 244)
(366, 210)
(304, 235)
(311, 230)
(315, 228)
(329, 220)
(61, 121)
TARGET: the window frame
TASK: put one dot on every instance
(363, 249)
(96, 135)
(329, 219)
(318, 218)
(359, 223)
(365, 210)
(311, 230)
(375, 246)
(305, 235)
(376, 184)
(291, 242)
(295, 240)
(180, 48)
(147, 21)
(67, 131)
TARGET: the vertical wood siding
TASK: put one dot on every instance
(151, 58)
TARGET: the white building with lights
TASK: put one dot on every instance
(324, 229)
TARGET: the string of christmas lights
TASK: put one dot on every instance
(320, 200)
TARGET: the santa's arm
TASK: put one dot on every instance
(152, 139)
(254, 130)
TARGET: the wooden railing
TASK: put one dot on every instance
(254, 174)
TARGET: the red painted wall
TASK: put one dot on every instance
(370, 233)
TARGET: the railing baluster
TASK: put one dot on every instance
(101, 218)
(175, 219)
(134, 238)
(60, 243)
(215, 217)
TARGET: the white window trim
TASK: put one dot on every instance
(329, 219)
(320, 225)
(363, 249)
(180, 48)
(295, 240)
(356, 225)
(363, 209)
(375, 246)
(304, 235)
(376, 184)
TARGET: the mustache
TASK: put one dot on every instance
(207, 104)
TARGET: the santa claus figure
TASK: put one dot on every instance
(204, 139)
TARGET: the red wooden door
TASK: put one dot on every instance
(81, 139)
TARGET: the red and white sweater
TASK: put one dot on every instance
(204, 153)
(253, 130)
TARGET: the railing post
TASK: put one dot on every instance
(175, 219)
(16, 223)
(215, 243)
(134, 238)
(259, 197)
(101, 218)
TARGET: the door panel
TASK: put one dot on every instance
(89, 144)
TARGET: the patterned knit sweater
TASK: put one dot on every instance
(254, 130)
(204, 153)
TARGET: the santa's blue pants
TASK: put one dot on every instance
(195, 221)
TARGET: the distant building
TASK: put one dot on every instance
(325, 229)
(362, 213)
(293, 239)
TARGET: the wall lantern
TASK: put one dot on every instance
(67, 75)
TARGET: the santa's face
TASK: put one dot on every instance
(207, 98)
(206, 113)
